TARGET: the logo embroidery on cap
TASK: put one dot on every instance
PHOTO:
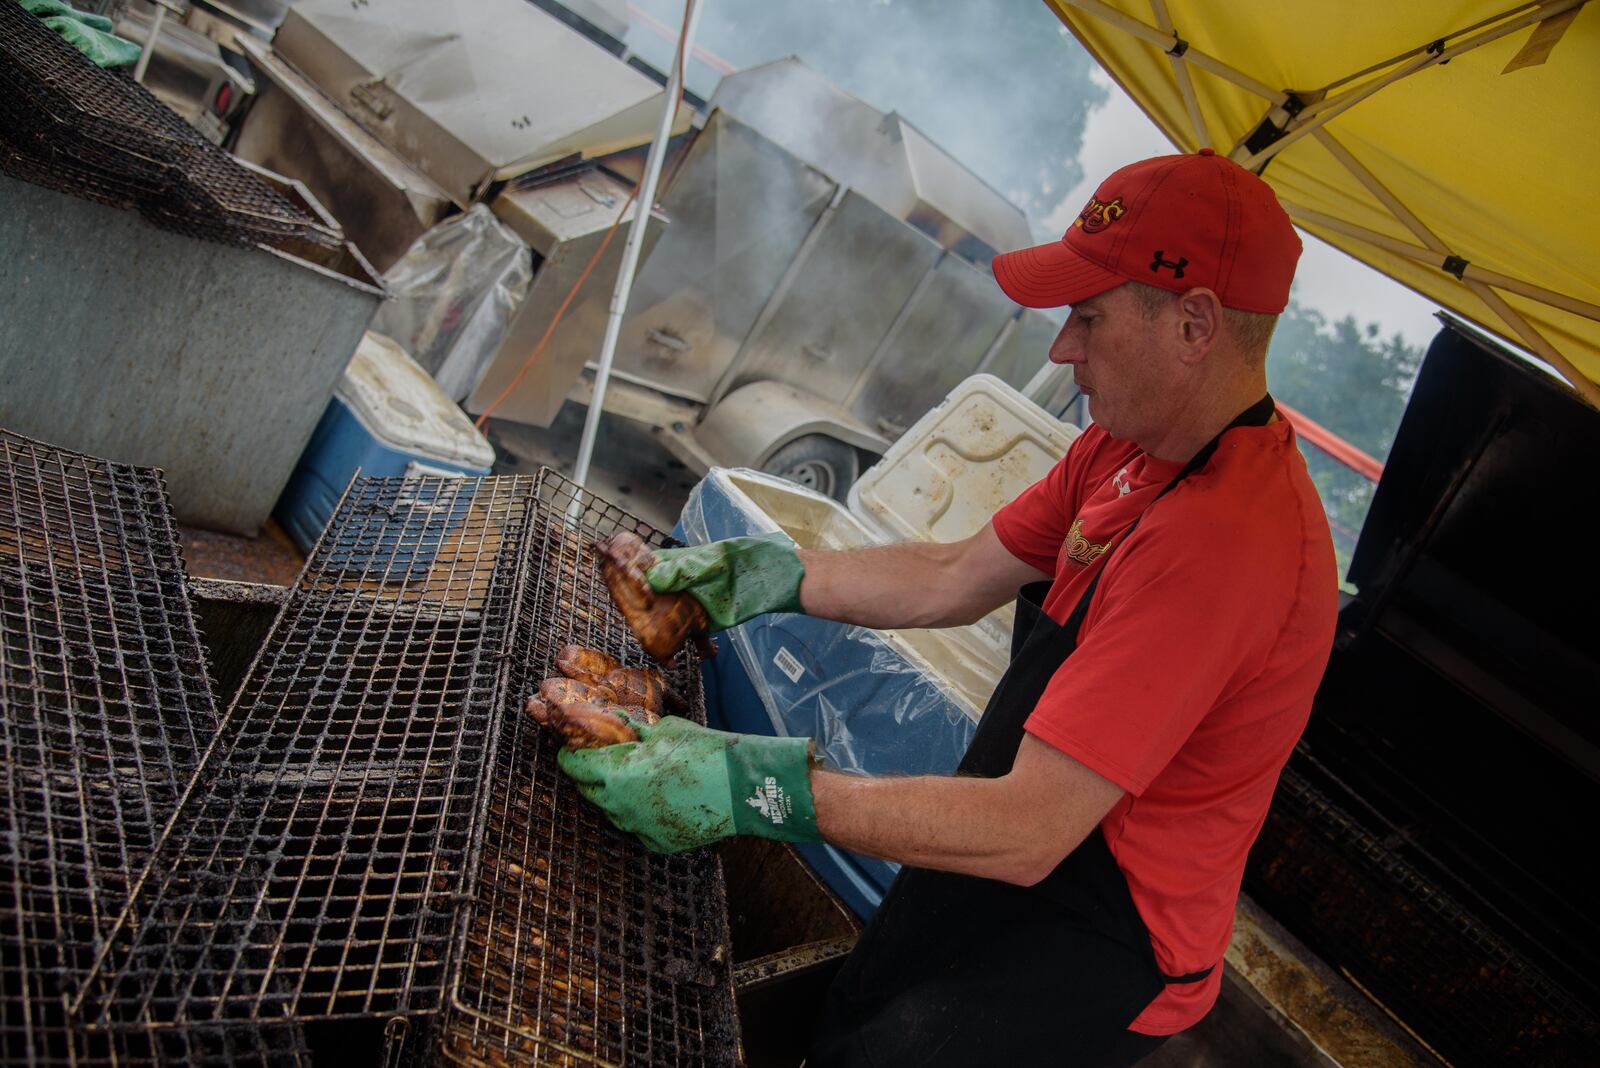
(1099, 214)
(1177, 265)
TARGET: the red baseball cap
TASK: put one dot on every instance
(1176, 222)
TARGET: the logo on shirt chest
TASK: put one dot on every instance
(1080, 550)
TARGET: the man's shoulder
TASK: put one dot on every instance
(1254, 500)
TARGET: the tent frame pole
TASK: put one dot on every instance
(1310, 218)
(1180, 71)
(1168, 42)
(1478, 282)
(1322, 112)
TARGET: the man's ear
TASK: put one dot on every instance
(1199, 323)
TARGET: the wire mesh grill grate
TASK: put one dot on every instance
(68, 125)
(579, 946)
(316, 871)
(104, 709)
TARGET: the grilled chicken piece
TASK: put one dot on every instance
(564, 691)
(644, 688)
(585, 665)
(586, 725)
(661, 621)
(541, 711)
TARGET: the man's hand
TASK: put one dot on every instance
(682, 785)
(735, 579)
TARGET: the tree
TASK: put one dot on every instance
(1356, 384)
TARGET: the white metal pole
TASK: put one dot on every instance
(630, 254)
(150, 43)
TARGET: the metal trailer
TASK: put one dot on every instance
(823, 281)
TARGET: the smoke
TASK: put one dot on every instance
(999, 84)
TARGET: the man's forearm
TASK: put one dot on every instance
(1014, 828)
(883, 586)
(913, 583)
(951, 823)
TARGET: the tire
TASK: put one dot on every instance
(818, 463)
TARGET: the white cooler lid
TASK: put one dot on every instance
(404, 408)
(958, 464)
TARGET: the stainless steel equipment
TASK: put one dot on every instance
(819, 242)
(563, 222)
(187, 71)
(210, 362)
(824, 281)
(469, 91)
(381, 201)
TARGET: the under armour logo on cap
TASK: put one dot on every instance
(1177, 265)
(1236, 239)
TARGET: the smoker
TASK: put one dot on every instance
(371, 855)
(1424, 838)
(822, 282)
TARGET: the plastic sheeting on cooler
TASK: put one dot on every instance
(869, 703)
(455, 291)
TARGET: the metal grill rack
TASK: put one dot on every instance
(579, 946)
(316, 869)
(1336, 865)
(104, 709)
(70, 126)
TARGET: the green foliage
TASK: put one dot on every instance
(1356, 384)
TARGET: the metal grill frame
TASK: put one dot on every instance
(295, 877)
(68, 125)
(104, 710)
(579, 946)
(1364, 871)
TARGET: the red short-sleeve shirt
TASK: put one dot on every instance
(1195, 666)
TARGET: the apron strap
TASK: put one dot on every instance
(1258, 414)
(1192, 977)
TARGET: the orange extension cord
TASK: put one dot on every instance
(683, 81)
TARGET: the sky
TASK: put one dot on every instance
(1328, 280)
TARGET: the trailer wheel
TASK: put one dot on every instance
(818, 463)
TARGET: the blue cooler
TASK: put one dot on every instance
(387, 419)
(876, 702)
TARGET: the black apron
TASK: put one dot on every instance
(958, 970)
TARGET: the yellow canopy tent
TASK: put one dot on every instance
(1454, 145)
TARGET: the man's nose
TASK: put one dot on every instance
(1066, 348)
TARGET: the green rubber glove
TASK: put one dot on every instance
(735, 579)
(682, 785)
(89, 34)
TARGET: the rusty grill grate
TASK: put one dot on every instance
(70, 126)
(1332, 867)
(104, 709)
(316, 870)
(579, 946)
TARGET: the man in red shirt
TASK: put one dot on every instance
(1069, 894)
